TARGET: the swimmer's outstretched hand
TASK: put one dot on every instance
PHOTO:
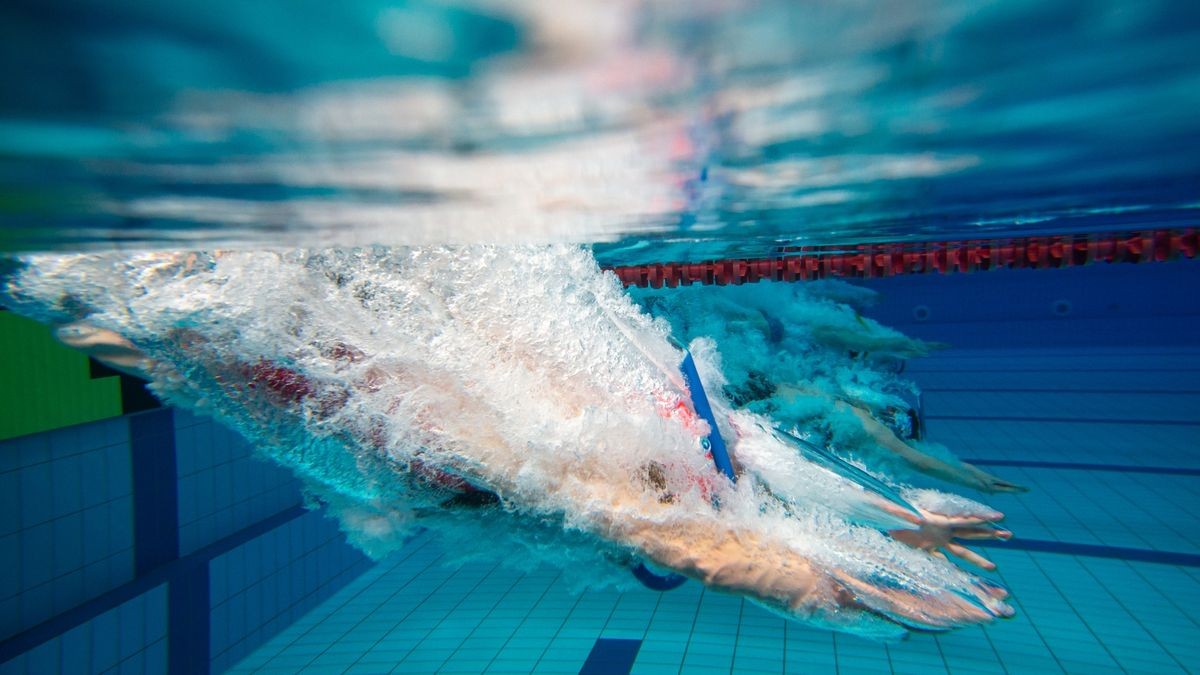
(959, 473)
(986, 482)
(937, 533)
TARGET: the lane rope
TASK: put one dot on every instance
(864, 261)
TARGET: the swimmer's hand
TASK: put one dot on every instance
(937, 533)
(983, 481)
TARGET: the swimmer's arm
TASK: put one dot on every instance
(888, 440)
(962, 474)
(772, 572)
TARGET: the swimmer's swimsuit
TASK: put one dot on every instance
(291, 386)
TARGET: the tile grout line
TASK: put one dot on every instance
(558, 630)
(523, 620)
(416, 577)
(692, 631)
(1066, 598)
(1014, 600)
(1165, 596)
(1132, 616)
(296, 603)
(344, 604)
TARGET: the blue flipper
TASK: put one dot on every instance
(716, 444)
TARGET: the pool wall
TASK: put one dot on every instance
(153, 542)
(1095, 306)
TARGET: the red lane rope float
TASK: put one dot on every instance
(803, 263)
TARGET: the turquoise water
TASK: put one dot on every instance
(162, 541)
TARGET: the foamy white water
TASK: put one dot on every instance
(379, 374)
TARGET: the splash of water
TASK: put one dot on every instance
(385, 377)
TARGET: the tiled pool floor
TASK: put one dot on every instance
(1090, 572)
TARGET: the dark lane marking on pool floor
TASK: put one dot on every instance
(610, 656)
(1080, 466)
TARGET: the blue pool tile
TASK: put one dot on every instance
(705, 668)
(68, 485)
(10, 502)
(761, 665)
(11, 451)
(810, 667)
(419, 666)
(76, 650)
(642, 668)
(548, 667)
(44, 658)
(36, 547)
(516, 666)
(10, 561)
(118, 471)
(36, 492)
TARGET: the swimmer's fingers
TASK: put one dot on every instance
(986, 482)
(965, 521)
(992, 588)
(936, 610)
(970, 556)
(998, 485)
(898, 511)
(981, 533)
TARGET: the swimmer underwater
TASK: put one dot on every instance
(804, 356)
(403, 383)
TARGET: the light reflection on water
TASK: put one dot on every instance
(656, 130)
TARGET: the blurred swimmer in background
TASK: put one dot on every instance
(805, 356)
